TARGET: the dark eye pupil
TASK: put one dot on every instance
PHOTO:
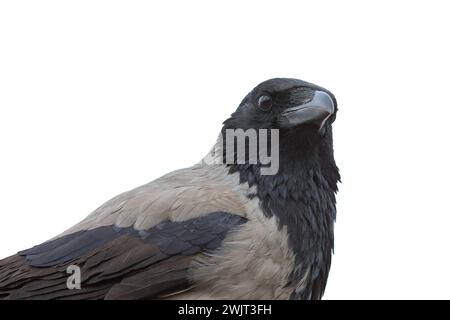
(265, 102)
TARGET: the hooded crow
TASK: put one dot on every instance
(230, 227)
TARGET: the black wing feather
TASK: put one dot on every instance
(115, 263)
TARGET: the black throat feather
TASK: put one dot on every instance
(302, 197)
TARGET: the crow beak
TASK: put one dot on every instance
(317, 111)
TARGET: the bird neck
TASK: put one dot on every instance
(302, 198)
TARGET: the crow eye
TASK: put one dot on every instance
(265, 103)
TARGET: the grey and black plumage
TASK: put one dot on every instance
(220, 231)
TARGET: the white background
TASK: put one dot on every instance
(98, 97)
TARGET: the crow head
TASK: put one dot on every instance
(302, 112)
(285, 104)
